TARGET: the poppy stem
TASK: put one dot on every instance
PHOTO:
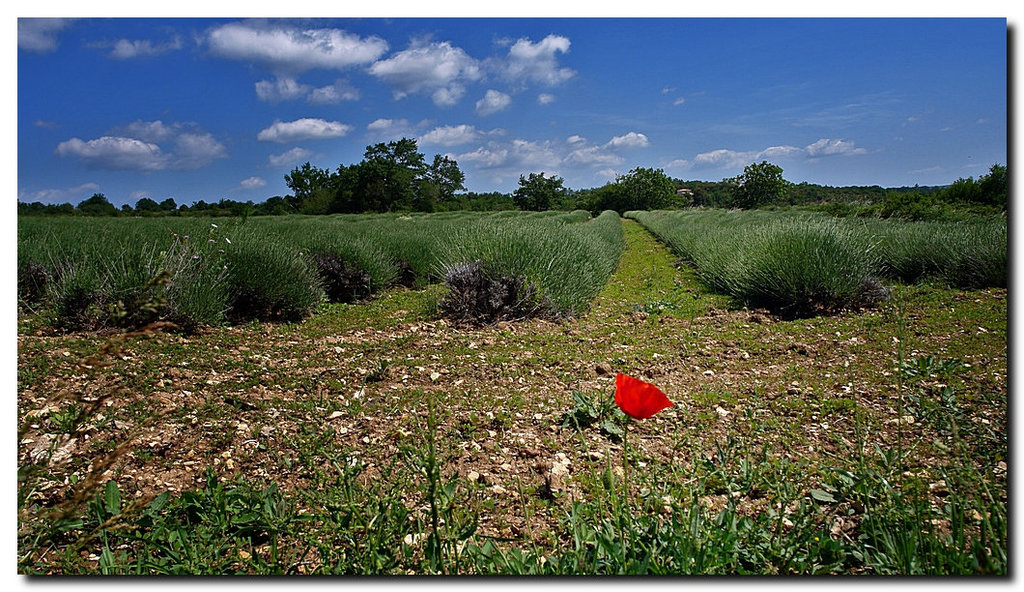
(624, 516)
(625, 461)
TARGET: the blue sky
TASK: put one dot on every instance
(224, 108)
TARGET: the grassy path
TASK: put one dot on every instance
(336, 413)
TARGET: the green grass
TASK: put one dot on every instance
(354, 459)
(800, 264)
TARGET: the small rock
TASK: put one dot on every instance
(556, 477)
(603, 369)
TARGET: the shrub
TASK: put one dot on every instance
(477, 294)
(342, 281)
(269, 280)
(33, 280)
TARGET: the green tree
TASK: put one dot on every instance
(390, 175)
(445, 178)
(168, 205)
(645, 189)
(146, 206)
(993, 186)
(304, 181)
(538, 192)
(97, 205)
(760, 184)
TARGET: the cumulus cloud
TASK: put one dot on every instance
(538, 62)
(513, 157)
(629, 140)
(830, 147)
(581, 152)
(451, 135)
(196, 150)
(126, 49)
(289, 157)
(280, 89)
(307, 128)
(593, 155)
(340, 91)
(253, 183)
(485, 158)
(448, 96)
(284, 49)
(116, 152)
(723, 158)
(149, 131)
(384, 129)
(136, 148)
(40, 34)
(545, 99)
(53, 196)
(492, 102)
(437, 68)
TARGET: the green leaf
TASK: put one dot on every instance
(823, 496)
(611, 428)
(112, 498)
(159, 502)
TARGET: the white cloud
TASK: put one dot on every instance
(253, 183)
(830, 147)
(294, 50)
(593, 155)
(307, 128)
(390, 129)
(731, 159)
(723, 158)
(629, 140)
(514, 157)
(281, 89)
(678, 101)
(136, 146)
(437, 68)
(492, 102)
(537, 62)
(289, 157)
(582, 153)
(448, 96)
(485, 158)
(53, 196)
(451, 135)
(125, 49)
(545, 99)
(606, 174)
(116, 152)
(778, 152)
(40, 34)
(149, 131)
(340, 91)
(196, 150)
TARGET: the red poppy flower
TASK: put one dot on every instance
(639, 399)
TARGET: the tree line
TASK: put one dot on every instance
(396, 177)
